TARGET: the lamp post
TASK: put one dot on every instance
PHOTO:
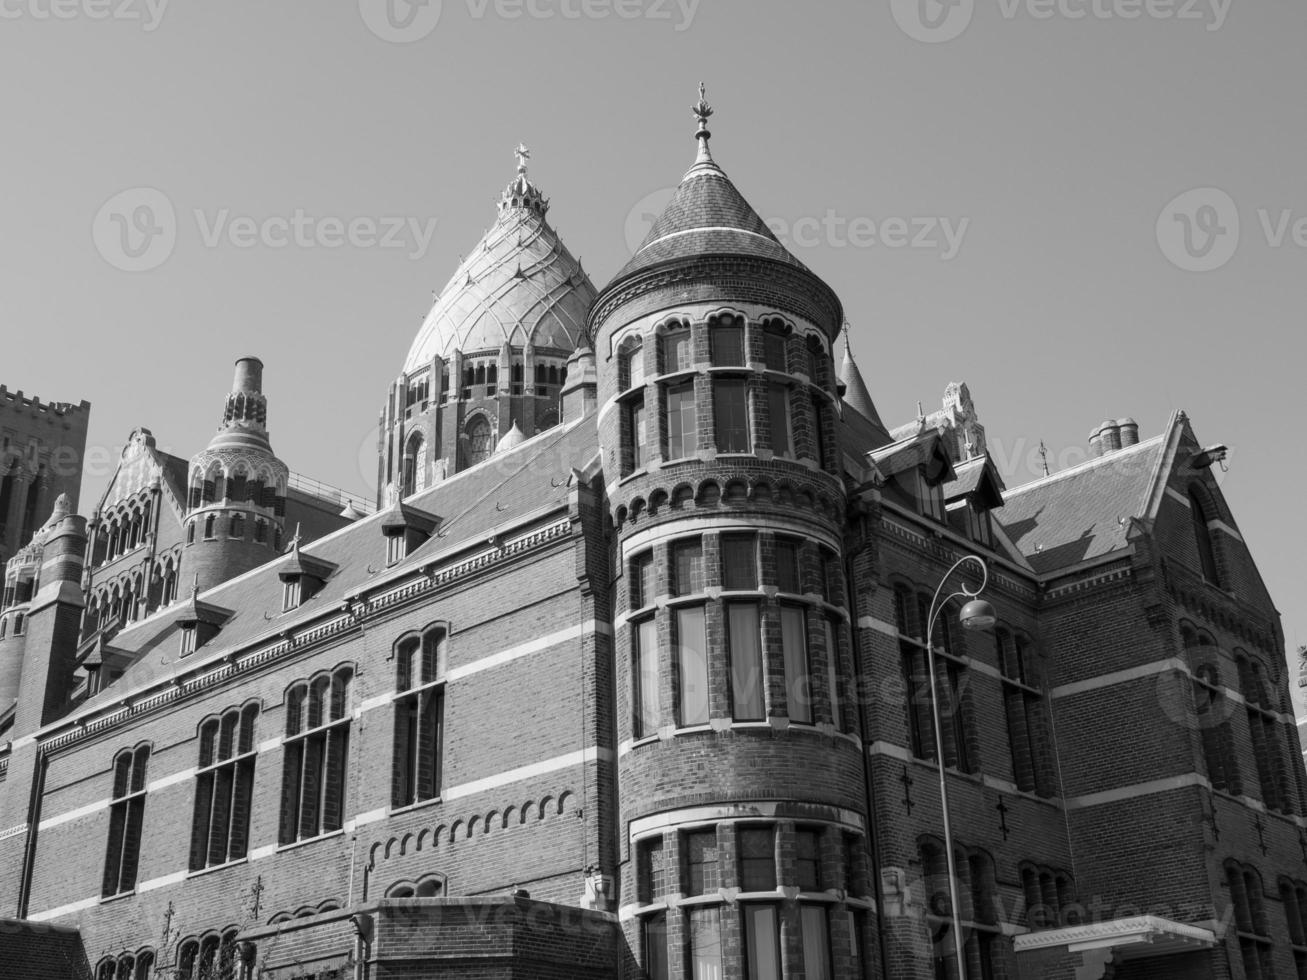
(977, 614)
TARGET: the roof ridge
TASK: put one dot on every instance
(1085, 466)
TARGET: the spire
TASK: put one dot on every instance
(701, 112)
(856, 394)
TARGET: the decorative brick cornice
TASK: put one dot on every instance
(421, 582)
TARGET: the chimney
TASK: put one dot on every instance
(1129, 432)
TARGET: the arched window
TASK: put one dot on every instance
(631, 366)
(415, 464)
(208, 526)
(316, 751)
(1203, 537)
(224, 786)
(236, 529)
(126, 812)
(478, 441)
(420, 662)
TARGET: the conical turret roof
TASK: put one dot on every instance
(856, 394)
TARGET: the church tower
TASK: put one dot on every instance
(236, 496)
(718, 428)
(490, 362)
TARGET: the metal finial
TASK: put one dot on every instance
(701, 112)
(1043, 454)
(523, 155)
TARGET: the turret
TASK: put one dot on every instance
(717, 424)
(236, 498)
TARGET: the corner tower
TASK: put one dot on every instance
(492, 353)
(740, 775)
(236, 495)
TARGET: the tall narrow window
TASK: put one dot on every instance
(701, 874)
(762, 942)
(807, 859)
(773, 349)
(1250, 921)
(816, 942)
(642, 580)
(705, 943)
(745, 646)
(731, 415)
(478, 441)
(832, 630)
(316, 749)
(632, 365)
(687, 567)
(1027, 723)
(778, 412)
(682, 421)
(1203, 538)
(798, 674)
(727, 339)
(820, 444)
(645, 637)
(420, 664)
(651, 872)
(657, 966)
(635, 434)
(224, 788)
(787, 566)
(1214, 729)
(692, 666)
(126, 813)
(1264, 727)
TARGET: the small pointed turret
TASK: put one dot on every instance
(856, 394)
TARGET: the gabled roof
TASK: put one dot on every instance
(976, 476)
(509, 488)
(1084, 512)
(925, 448)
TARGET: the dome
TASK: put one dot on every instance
(519, 285)
(511, 439)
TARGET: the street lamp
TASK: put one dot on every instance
(977, 614)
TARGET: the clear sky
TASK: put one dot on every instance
(993, 188)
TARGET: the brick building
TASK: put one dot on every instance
(41, 450)
(627, 675)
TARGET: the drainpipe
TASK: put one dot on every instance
(850, 595)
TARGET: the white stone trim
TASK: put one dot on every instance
(13, 831)
(1120, 677)
(1119, 794)
(581, 757)
(69, 909)
(1148, 930)
(728, 813)
(880, 626)
(164, 881)
(1219, 525)
(71, 815)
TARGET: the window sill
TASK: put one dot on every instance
(310, 840)
(213, 868)
(108, 899)
(397, 811)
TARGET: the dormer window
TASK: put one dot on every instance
(290, 594)
(188, 639)
(405, 529)
(980, 526)
(302, 577)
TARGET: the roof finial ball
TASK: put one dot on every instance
(701, 112)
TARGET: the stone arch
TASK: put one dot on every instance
(490, 821)
(509, 812)
(544, 807)
(563, 798)
(454, 829)
(527, 807)
(709, 494)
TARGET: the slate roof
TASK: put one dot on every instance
(856, 394)
(707, 216)
(1083, 512)
(529, 479)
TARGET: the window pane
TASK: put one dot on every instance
(833, 670)
(774, 351)
(757, 859)
(655, 947)
(639, 449)
(646, 641)
(778, 410)
(807, 860)
(816, 943)
(687, 567)
(682, 432)
(701, 862)
(787, 566)
(676, 351)
(732, 418)
(762, 942)
(739, 561)
(693, 659)
(727, 344)
(794, 642)
(746, 661)
(642, 587)
(705, 944)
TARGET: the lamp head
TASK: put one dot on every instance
(977, 615)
